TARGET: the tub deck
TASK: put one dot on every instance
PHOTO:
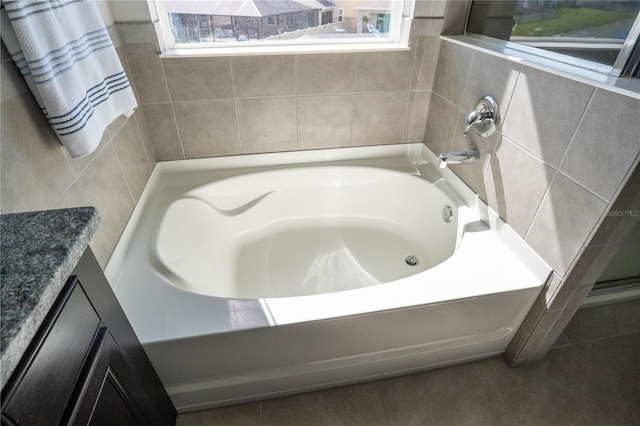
(211, 351)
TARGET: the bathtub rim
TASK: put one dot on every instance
(415, 154)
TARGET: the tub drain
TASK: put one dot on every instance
(411, 260)
(447, 214)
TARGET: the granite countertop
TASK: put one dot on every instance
(38, 251)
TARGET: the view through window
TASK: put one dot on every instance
(590, 29)
(234, 21)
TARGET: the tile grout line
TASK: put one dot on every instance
(557, 170)
(295, 90)
(68, 160)
(124, 175)
(572, 140)
(235, 103)
(173, 112)
(142, 142)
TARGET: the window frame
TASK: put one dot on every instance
(519, 46)
(398, 38)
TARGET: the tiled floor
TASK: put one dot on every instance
(594, 379)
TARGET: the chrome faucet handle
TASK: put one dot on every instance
(472, 119)
(484, 118)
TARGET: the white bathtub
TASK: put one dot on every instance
(255, 276)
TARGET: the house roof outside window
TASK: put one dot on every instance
(250, 8)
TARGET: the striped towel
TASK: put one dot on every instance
(71, 66)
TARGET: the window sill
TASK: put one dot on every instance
(284, 50)
(573, 68)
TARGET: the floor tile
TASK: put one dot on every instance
(451, 396)
(349, 405)
(237, 415)
(604, 321)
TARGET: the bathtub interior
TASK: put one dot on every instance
(305, 231)
(216, 350)
(492, 251)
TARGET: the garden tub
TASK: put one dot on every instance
(255, 276)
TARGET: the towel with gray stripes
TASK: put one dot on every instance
(69, 62)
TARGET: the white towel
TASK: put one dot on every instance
(70, 64)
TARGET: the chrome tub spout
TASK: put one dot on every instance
(459, 157)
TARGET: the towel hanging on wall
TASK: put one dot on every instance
(66, 56)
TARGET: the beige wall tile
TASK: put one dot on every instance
(441, 124)
(122, 55)
(378, 118)
(417, 46)
(35, 172)
(566, 217)
(455, 16)
(208, 129)
(490, 75)
(260, 76)
(131, 33)
(516, 183)
(453, 68)
(384, 71)
(427, 68)
(73, 197)
(268, 125)
(12, 83)
(194, 79)
(79, 164)
(115, 125)
(543, 124)
(429, 8)
(146, 138)
(427, 27)
(324, 121)
(604, 149)
(163, 131)
(146, 72)
(327, 73)
(417, 114)
(104, 187)
(133, 160)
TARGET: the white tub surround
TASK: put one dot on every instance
(262, 275)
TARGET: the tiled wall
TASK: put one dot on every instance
(204, 107)
(552, 171)
(210, 107)
(37, 173)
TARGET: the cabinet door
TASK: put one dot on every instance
(110, 394)
(43, 385)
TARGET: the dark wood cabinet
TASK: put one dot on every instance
(85, 365)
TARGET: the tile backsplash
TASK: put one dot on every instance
(212, 106)
(554, 166)
(37, 173)
(552, 171)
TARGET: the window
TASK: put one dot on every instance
(238, 23)
(602, 32)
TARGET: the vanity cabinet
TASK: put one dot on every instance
(85, 364)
